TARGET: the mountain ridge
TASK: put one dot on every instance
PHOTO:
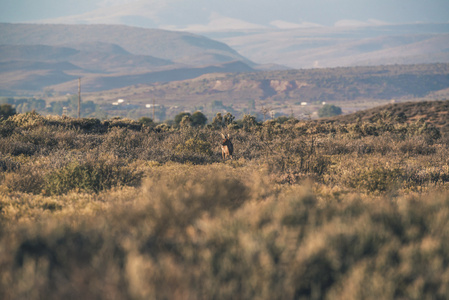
(180, 47)
(110, 51)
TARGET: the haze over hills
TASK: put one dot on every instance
(180, 47)
(321, 46)
(296, 34)
(33, 57)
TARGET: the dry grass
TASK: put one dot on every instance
(304, 211)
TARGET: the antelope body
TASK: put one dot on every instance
(226, 147)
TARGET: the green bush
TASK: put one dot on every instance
(198, 119)
(180, 116)
(148, 122)
(329, 110)
(6, 110)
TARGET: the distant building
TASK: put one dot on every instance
(151, 105)
(303, 103)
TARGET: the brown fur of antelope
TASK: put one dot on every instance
(226, 147)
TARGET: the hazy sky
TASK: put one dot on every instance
(179, 14)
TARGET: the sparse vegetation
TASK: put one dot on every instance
(117, 209)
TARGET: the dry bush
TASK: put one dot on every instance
(122, 142)
(92, 174)
(27, 179)
(187, 234)
(77, 220)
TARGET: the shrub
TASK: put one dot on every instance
(123, 123)
(416, 146)
(28, 120)
(89, 125)
(6, 110)
(6, 128)
(91, 176)
(122, 142)
(17, 147)
(196, 146)
(180, 116)
(7, 164)
(28, 179)
(377, 179)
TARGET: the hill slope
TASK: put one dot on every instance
(180, 47)
(315, 85)
(343, 46)
(434, 112)
(31, 54)
(284, 93)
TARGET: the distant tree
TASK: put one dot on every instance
(37, 104)
(146, 121)
(198, 119)
(217, 121)
(228, 118)
(281, 119)
(88, 107)
(329, 110)
(217, 104)
(161, 113)
(6, 110)
(56, 107)
(73, 102)
(180, 116)
(220, 121)
(249, 122)
(6, 100)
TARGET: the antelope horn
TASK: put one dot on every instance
(223, 135)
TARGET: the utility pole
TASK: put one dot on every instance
(153, 108)
(265, 111)
(79, 97)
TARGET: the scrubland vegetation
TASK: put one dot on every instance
(116, 209)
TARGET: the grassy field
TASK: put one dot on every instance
(305, 210)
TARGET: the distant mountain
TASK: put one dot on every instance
(321, 47)
(107, 56)
(95, 83)
(92, 57)
(179, 47)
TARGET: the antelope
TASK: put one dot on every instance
(226, 147)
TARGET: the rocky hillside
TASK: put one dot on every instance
(311, 86)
